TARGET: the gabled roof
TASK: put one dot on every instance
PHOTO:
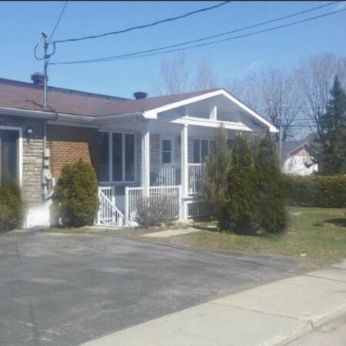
(29, 97)
(292, 146)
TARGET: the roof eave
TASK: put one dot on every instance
(152, 113)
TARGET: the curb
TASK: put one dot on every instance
(313, 322)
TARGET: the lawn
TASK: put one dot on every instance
(316, 237)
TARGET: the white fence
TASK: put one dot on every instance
(133, 195)
(109, 214)
(196, 171)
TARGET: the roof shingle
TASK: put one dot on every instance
(22, 95)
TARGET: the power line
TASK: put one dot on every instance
(163, 50)
(57, 22)
(236, 37)
(144, 25)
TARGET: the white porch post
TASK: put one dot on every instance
(145, 171)
(184, 168)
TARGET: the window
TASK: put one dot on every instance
(103, 157)
(201, 149)
(204, 148)
(117, 157)
(196, 151)
(129, 157)
(117, 151)
(166, 151)
(9, 156)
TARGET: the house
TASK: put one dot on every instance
(297, 158)
(139, 147)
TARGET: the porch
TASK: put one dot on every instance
(163, 163)
(160, 153)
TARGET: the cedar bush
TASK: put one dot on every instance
(269, 209)
(237, 213)
(11, 206)
(316, 191)
(75, 198)
(217, 165)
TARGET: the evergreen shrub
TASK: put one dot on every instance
(11, 206)
(237, 213)
(75, 198)
(270, 211)
(316, 191)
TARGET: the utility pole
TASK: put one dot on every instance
(45, 69)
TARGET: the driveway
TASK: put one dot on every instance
(61, 289)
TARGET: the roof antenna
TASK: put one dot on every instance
(45, 59)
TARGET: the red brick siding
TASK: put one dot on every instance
(69, 144)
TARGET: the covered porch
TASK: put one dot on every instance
(161, 151)
(157, 160)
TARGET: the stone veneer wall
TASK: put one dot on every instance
(32, 156)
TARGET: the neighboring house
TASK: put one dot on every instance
(297, 158)
(141, 147)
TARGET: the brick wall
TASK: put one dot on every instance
(32, 156)
(69, 144)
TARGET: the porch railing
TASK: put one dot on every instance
(109, 214)
(133, 195)
(196, 171)
(165, 176)
(171, 176)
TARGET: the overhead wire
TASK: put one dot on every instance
(57, 22)
(163, 50)
(166, 20)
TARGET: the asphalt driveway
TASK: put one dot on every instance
(60, 289)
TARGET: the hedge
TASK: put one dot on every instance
(316, 191)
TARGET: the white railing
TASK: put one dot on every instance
(196, 171)
(108, 214)
(165, 176)
(132, 196)
(135, 194)
(196, 208)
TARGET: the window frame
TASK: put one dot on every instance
(171, 139)
(20, 151)
(123, 151)
(201, 140)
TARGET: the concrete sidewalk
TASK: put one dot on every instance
(273, 314)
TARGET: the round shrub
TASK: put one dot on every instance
(11, 206)
(75, 199)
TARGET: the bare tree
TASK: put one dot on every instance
(281, 100)
(174, 76)
(271, 93)
(246, 89)
(205, 77)
(315, 76)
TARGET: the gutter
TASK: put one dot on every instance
(67, 118)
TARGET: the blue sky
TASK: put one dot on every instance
(22, 22)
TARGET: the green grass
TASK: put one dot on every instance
(316, 237)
